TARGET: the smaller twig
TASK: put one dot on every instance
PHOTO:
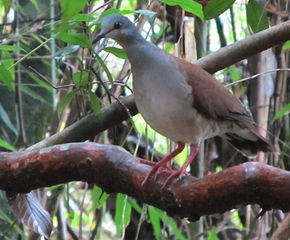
(257, 75)
(47, 81)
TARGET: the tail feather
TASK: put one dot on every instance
(249, 146)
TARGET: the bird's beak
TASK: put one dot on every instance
(99, 37)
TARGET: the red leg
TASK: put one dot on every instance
(181, 171)
(164, 161)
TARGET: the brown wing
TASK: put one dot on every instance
(210, 96)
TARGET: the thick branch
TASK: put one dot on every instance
(115, 170)
(245, 48)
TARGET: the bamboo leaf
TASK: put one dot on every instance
(6, 145)
(104, 66)
(6, 78)
(10, 48)
(65, 101)
(283, 111)
(155, 221)
(5, 118)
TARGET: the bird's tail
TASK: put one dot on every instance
(249, 142)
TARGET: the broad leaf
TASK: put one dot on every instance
(155, 221)
(286, 45)
(187, 5)
(123, 213)
(95, 102)
(6, 78)
(6, 145)
(256, 16)
(212, 234)
(81, 79)
(70, 8)
(216, 7)
(83, 17)
(76, 39)
(118, 52)
(27, 208)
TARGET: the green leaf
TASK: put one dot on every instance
(51, 188)
(99, 197)
(83, 17)
(234, 73)
(212, 235)
(65, 101)
(6, 4)
(256, 16)
(118, 52)
(76, 39)
(104, 66)
(6, 145)
(155, 221)
(5, 118)
(40, 82)
(237, 220)
(123, 213)
(66, 51)
(187, 5)
(34, 95)
(10, 48)
(286, 45)
(81, 79)
(283, 111)
(173, 227)
(216, 7)
(6, 78)
(70, 8)
(95, 102)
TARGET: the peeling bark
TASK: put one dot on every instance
(116, 170)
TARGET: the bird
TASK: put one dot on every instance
(181, 100)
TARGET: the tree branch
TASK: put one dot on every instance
(116, 170)
(245, 48)
(115, 113)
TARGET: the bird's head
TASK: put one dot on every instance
(117, 27)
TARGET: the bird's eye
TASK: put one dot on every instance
(117, 25)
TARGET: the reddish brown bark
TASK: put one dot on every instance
(115, 170)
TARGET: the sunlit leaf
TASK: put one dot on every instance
(104, 66)
(70, 8)
(5, 118)
(81, 79)
(216, 7)
(237, 220)
(283, 111)
(83, 17)
(286, 45)
(66, 100)
(187, 5)
(76, 39)
(95, 102)
(6, 4)
(10, 48)
(256, 16)
(123, 213)
(118, 52)
(234, 73)
(99, 197)
(6, 145)
(6, 78)
(212, 234)
(155, 221)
